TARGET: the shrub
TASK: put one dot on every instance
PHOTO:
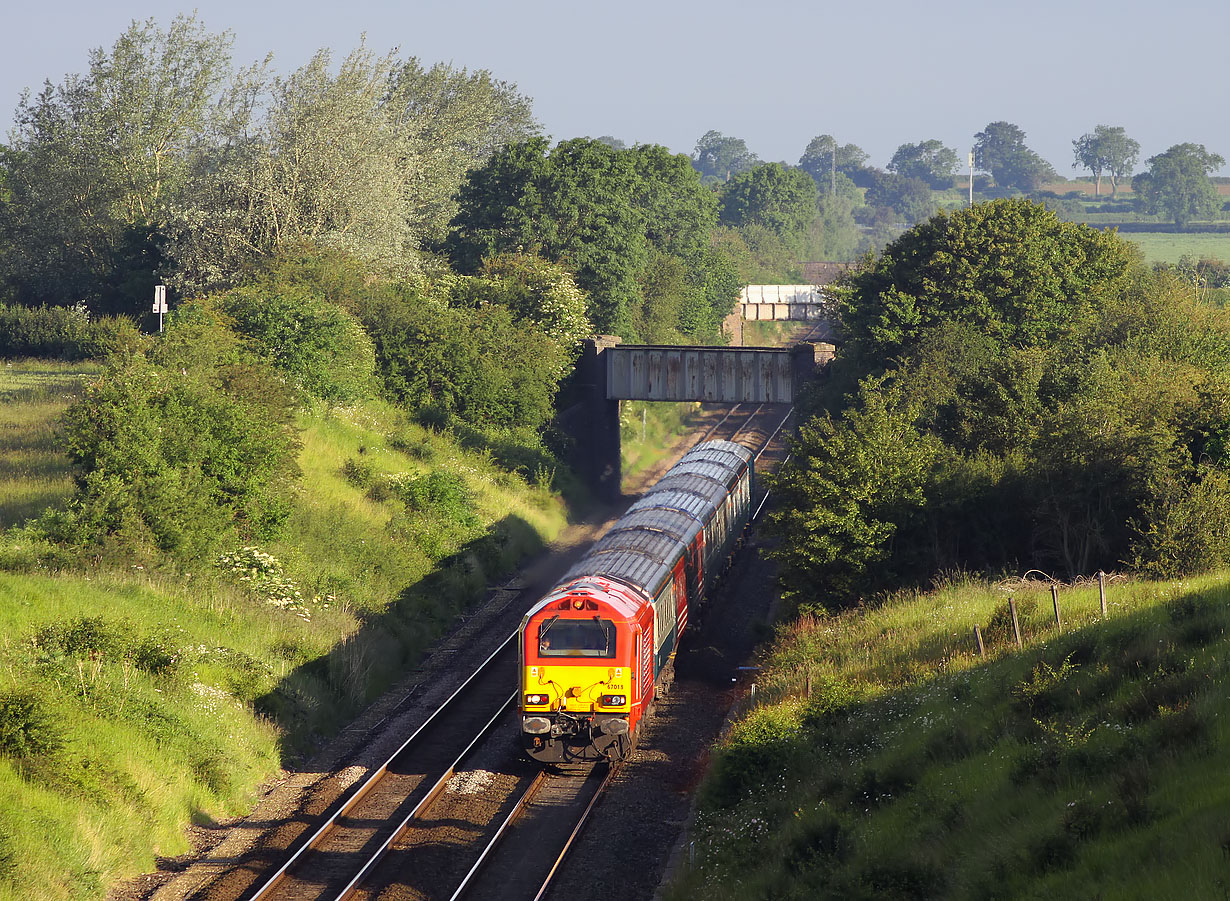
(83, 636)
(320, 346)
(60, 333)
(180, 448)
(440, 494)
(1185, 525)
(479, 366)
(25, 727)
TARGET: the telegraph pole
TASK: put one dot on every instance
(971, 178)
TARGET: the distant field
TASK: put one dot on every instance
(1125, 187)
(1162, 247)
(34, 471)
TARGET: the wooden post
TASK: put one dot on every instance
(1102, 591)
(982, 651)
(808, 684)
(1055, 602)
(1016, 624)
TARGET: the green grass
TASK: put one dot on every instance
(34, 472)
(1160, 247)
(1093, 763)
(648, 430)
(172, 695)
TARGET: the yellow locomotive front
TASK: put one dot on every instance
(579, 677)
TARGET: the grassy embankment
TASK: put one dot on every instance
(133, 702)
(1094, 763)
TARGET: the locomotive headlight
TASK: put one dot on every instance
(613, 700)
(536, 699)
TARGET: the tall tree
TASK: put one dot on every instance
(1177, 184)
(1010, 268)
(1000, 149)
(1108, 149)
(779, 198)
(453, 120)
(824, 158)
(718, 157)
(605, 213)
(929, 160)
(95, 164)
(327, 165)
(908, 197)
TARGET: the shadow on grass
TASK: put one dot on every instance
(319, 697)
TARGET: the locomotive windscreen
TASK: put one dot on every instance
(576, 638)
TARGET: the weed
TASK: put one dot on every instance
(905, 878)
(952, 742)
(1133, 784)
(999, 627)
(1045, 693)
(1054, 851)
(820, 841)
(1085, 818)
(357, 473)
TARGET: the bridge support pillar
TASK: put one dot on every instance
(597, 434)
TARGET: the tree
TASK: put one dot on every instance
(781, 199)
(930, 161)
(596, 209)
(908, 197)
(96, 163)
(453, 120)
(1177, 184)
(366, 160)
(1107, 149)
(824, 158)
(1011, 268)
(850, 485)
(718, 157)
(1001, 150)
(573, 204)
(327, 166)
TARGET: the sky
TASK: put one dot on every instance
(774, 73)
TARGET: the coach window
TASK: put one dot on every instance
(576, 638)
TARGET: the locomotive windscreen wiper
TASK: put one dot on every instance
(545, 628)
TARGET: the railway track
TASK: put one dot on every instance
(523, 856)
(456, 812)
(350, 843)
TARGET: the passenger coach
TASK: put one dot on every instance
(594, 650)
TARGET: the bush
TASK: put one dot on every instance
(60, 333)
(479, 366)
(320, 346)
(26, 729)
(1185, 525)
(179, 449)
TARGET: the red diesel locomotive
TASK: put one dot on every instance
(594, 650)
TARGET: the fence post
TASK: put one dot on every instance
(1102, 591)
(1055, 602)
(1016, 625)
(982, 651)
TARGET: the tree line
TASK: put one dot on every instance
(1176, 183)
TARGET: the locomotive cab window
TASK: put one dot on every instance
(576, 638)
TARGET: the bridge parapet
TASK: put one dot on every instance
(733, 375)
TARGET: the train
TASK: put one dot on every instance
(596, 650)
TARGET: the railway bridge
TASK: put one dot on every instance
(610, 372)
